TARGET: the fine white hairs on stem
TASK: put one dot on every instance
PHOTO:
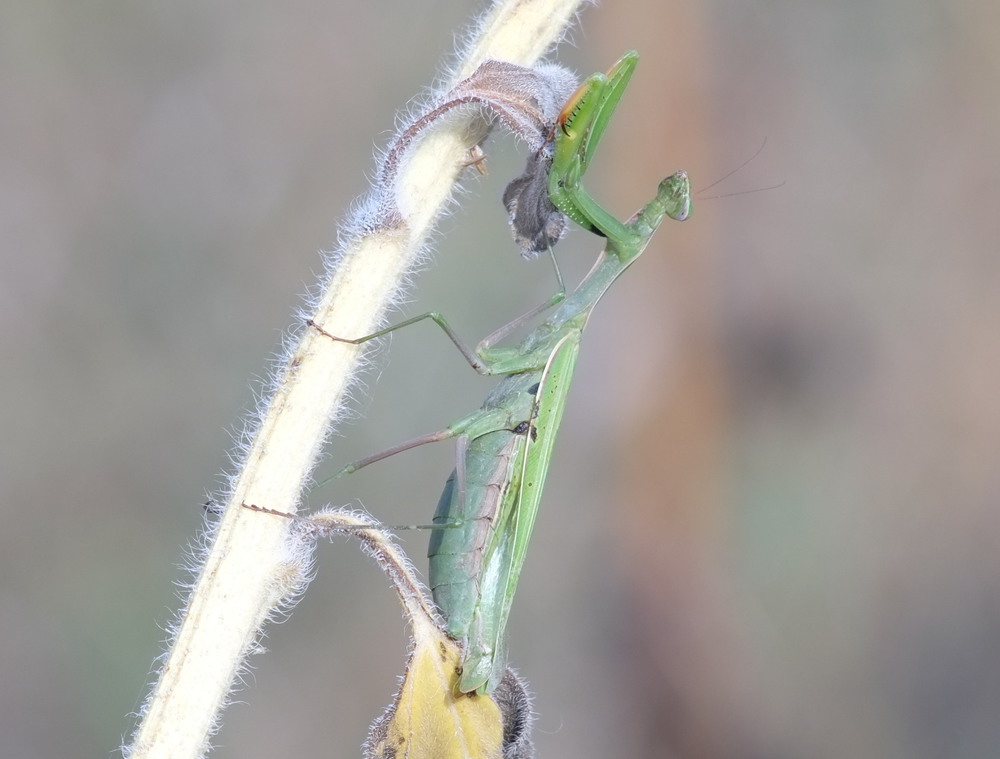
(244, 566)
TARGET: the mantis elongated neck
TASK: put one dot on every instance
(578, 305)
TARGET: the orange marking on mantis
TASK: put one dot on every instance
(569, 110)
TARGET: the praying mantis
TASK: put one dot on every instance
(489, 504)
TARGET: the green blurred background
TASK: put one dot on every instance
(771, 526)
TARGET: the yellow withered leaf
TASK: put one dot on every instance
(430, 718)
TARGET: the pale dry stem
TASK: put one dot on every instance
(249, 569)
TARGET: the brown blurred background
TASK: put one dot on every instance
(772, 521)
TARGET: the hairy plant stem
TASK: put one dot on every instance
(249, 569)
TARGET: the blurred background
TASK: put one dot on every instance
(771, 526)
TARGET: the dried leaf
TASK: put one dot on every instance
(430, 719)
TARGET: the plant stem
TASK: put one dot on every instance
(249, 569)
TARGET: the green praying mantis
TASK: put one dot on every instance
(489, 504)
